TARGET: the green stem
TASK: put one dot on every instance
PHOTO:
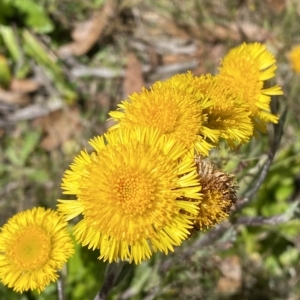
(112, 275)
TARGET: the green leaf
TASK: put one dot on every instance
(10, 41)
(36, 50)
(19, 155)
(36, 17)
(37, 175)
(272, 265)
(6, 11)
(5, 75)
(30, 141)
(289, 257)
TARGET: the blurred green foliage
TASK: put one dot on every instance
(29, 13)
(22, 46)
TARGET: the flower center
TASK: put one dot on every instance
(164, 116)
(134, 192)
(250, 84)
(30, 249)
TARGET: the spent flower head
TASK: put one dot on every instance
(34, 245)
(218, 194)
(129, 193)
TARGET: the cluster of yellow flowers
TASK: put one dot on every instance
(148, 184)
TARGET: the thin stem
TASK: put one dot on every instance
(206, 240)
(259, 221)
(60, 288)
(278, 131)
(112, 274)
(61, 284)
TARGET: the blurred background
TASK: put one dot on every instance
(64, 64)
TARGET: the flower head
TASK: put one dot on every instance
(243, 71)
(174, 107)
(231, 120)
(218, 194)
(34, 245)
(130, 194)
(294, 56)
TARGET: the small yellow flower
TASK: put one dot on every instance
(130, 194)
(218, 195)
(198, 88)
(221, 116)
(243, 71)
(34, 245)
(295, 58)
(231, 120)
(174, 107)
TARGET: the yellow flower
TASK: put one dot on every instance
(295, 58)
(174, 107)
(34, 245)
(130, 194)
(231, 121)
(218, 194)
(243, 71)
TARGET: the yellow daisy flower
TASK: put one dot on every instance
(224, 117)
(229, 115)
(243, 71)
(130, 194)
(294, 56)
(34, 245)
(173, 107)
(218, 195)
(198, 88)
(221, 117)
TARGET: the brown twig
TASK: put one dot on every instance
(259, 220)
(102, 72)
(35, 111)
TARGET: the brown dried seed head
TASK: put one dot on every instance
(218, 194)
